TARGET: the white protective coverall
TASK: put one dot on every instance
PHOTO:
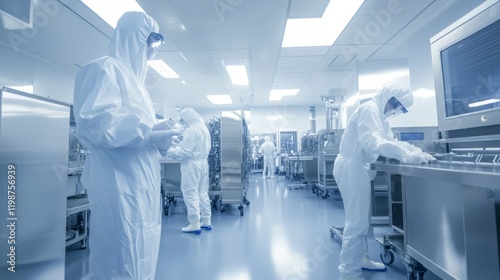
(267, 149)
(114, 120)
(193, 150)
(367, 135)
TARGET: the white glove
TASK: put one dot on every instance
(162, 138)
(420, 158)
(164, 125)
(171, 152)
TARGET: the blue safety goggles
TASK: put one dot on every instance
(395, 105)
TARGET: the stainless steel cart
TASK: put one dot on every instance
(235, 160)
(170, 182)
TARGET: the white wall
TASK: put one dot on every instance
(19, 69)
(294, 118)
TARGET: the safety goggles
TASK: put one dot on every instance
(155, 39)
(394, 105)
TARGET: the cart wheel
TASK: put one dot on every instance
(325, 195)
(222, 209)
(387, 257)
(415, 274)
(241, 210)
(412, 274)
(165, 211)
(246, 201)
(174, 201)
(83, 244)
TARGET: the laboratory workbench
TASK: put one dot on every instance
(449, 216)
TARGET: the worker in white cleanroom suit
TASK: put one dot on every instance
(115, 121)
(267, 149)
(194, 150)
(367, 136)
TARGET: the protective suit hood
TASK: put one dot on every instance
(190, 116)
(267, 138)
(129, 41)
(402, 93)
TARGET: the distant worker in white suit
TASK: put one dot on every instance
(267, 149)
(367, 136)
(194, 150)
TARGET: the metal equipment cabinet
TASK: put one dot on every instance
(34, 137)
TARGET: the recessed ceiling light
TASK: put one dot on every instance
(220, 99)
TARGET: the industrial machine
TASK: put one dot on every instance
(446, 213)
(328, 141)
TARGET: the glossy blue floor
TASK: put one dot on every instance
(284, 234)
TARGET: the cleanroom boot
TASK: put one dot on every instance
(206, 224)
(351, 278)
(371, 265)
(192, 228)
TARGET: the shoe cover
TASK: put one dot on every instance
(191, 228)
(351, 278)
(371, 265)
(206, 224)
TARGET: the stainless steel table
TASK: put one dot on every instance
(449, 216)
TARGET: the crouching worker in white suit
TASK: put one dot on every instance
(194, 150)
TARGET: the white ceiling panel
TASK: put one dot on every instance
(307, 8)
(201, 36)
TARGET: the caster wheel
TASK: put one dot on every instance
(222, 209)
(165, 211)
(83, 245)
(241, 212)
(387, 257)
(174, 201)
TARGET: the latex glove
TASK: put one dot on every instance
(428, 157)
(175, 141)
(171, 152)
(420, 158)
(409, 147)
(162, 138)
(164, 125)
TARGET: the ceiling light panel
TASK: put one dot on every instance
(110, 11)
(220, 99)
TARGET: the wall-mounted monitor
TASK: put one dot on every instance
(466, 62)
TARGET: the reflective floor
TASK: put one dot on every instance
(283, 234)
